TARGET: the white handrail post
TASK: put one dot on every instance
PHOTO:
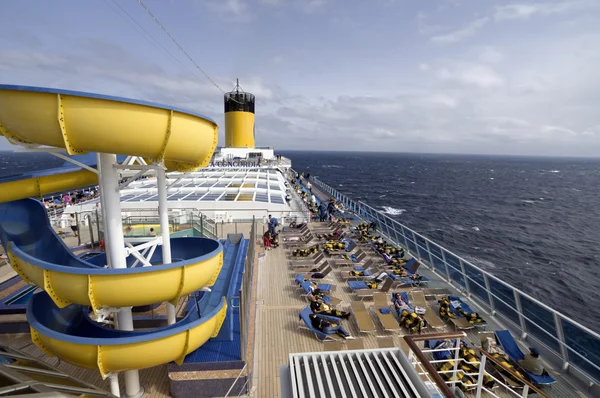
(163, 211)
(564, 351)
(480, 376)
(520, 313)
(456, 359)
(525, 391)
(488, 289)
(115, 242)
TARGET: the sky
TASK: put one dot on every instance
(439, 76)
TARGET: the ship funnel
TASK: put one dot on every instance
(239, 118)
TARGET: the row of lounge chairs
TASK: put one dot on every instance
(323, 265)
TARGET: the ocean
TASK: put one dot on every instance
(532, 222)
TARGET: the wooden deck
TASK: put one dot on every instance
(278, 331)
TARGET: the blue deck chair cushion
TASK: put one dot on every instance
(307, 286)
(411, 265)
(325, 287)
(509, 345)
(357, 285)
(385, 310)
(439, 355)
(299, 279)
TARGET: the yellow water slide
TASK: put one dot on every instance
(60, 324)
(83, 122)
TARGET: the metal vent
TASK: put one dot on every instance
(357, 373)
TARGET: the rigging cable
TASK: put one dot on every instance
(180, 47)
(145, 34)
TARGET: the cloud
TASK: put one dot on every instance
(424, 27)
(527, 10)
(490, 55)
(466, 31)
(234, 10)
(481, 76)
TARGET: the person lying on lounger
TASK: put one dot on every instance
(328, 327)
(319, 307)
(374, 283)
(400, 304)
(305, 252)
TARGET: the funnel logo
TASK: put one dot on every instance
(234, 163)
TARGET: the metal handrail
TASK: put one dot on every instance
(410, 341)
(235, 381)
(369, 213)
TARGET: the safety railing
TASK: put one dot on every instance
(425, 368)
(245, 295)
(575, 345)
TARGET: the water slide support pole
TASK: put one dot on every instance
(114, 384)
(115, 242)
(163, 211)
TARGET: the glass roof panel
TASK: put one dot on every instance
(211, 196)
(229, 197)
(245, 197)
(277, 199)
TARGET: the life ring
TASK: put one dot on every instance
(101, 244)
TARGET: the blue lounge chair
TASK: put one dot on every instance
(440, 355)
(464, 306)
(324, 287)
(362, 285)
(357, 285)
(510, 347)
(304, 315)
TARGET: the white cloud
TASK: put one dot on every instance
(490, 55)
(460, 34)
(228, 10)
(472, 74)
(424, 67)
(527, 10)
(557, 131)
(424, 27)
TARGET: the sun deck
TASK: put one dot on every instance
(278, 334)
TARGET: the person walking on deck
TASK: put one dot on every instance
(273, 223)
(322, 212)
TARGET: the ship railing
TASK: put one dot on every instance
(246, 308)
(561, 339)
(426, 368)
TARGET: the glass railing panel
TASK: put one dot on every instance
(586, 345)
(455, 269)
(540, 323)
(412, 246)
(422, 249)
(504, 301)
(476, 282)
(438, 262)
